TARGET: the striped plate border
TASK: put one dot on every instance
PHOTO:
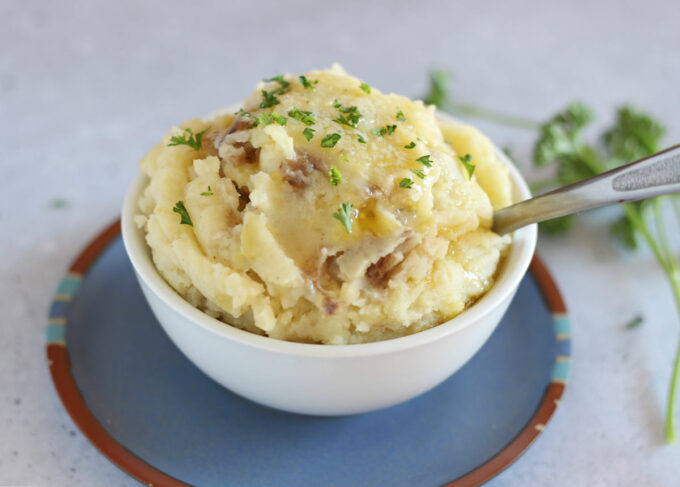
(58, 362)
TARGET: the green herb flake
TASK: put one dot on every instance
(365, 88)
(242, 113)
(406, 183)
(185, 219)
(263, 119)
(634, 323)
(344, 216)
(188, 138)
(425, 160)
(361, 139)
(400, 116)
(335, 176)
(470, 168)
(411, 145)
(330, 140)
(349, 116)
(269, 99)
(281, 81)
(207, 193)
(302, 115)
(419, 173)
(280, 119)
(391, 129)
(307, 84)
(59, 203)
(308, 133)
(380, 131)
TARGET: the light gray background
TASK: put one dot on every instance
(86, 88)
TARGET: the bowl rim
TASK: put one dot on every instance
(514, 268)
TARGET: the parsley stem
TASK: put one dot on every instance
(494, 116)
(671, 270)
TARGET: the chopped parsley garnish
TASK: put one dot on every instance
(308, 133)
(400, 116)
(282, 83)
(280, 119)
(334, 176)
(268, 99)
(406, 183)
(344, 216)
(207, 193)
(185, 219)
(365, 87)
(188, 138)
(411, 145)
(466, 162)
(242, 113)
(330, 140)
(361, 139)
(635, 322)
(425, 160)
(419, 173)
(263, 119)
(352, 114)
(307, 84)
(303, 116)
(386, 130)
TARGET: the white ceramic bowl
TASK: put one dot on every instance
(326, 379)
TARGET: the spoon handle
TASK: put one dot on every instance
(652, 176)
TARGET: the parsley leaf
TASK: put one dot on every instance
(411, 145)
(438, 92)
(280, 119)
(303, 116)
(268, 99)
(365, 88)
(308, 133)
(382, 131)
(361, 139)
(419, 173)
(400, 116)
(406, 183)
(634, 323)
(185, 219)
(470, 168)
(344, 216)
(330, 140)
(335, 176)
(207, 193)
(308, 85)
(188, 138)
(263, 119)
(352, 114)
(425, 160)
(282, 83)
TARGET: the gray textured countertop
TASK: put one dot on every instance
(86, 88)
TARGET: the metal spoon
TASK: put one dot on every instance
(652, 176)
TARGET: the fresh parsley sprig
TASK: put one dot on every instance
(344, 216)
(188, 138)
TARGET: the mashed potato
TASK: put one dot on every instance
(325, 211)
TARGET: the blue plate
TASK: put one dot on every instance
(155, 415)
